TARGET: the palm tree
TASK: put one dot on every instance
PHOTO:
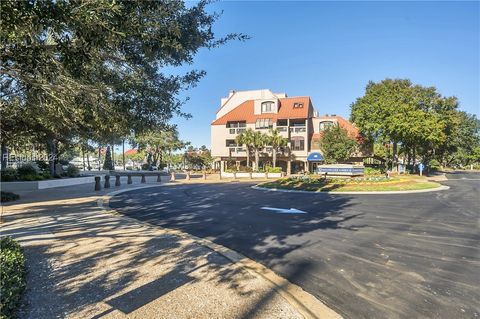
(246, 139)
(259, 141)
(276, 141)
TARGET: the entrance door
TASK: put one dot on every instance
(297, 167)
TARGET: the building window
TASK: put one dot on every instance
(236, 124)
(267, 107)
(298, 143)
(264, 123)
(282, 122)
(297, 105)
(230, 143)
(325, 124)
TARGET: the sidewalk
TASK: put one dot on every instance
(87, 263)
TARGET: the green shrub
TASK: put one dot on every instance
(12, 276)
(434, 165)
(72, 171)
(46, 175)
(145, 167)
(9, 175)
(26, 170)
(43, 166)
(8, 196)
(274, 169)
(31, 177)
(372, 171)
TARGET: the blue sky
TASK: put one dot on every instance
(330, 50)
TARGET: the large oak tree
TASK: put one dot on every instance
(94, 68)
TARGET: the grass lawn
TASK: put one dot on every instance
(316, 184)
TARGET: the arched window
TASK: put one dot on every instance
(325, 124)
(267, 107)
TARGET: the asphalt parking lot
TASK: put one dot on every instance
(366, 256)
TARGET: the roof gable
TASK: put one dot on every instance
(245, 111)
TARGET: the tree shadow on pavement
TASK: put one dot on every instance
(86, 263)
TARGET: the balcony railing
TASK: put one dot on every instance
(237, 149)
(301, 129)
(236, 130)
(281, 128)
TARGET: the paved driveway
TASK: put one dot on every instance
(369, 256)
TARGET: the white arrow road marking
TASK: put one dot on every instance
(284, 210)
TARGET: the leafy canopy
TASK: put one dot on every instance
(336, 145)
(95, 68)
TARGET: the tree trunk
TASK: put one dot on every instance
(99, 157)
(274, 157)
(4, 156)
(88, 160)
(248, 156)
(51, 155)
(414, 159)
(113, 156)
(256, 159)
(123, 153)
(394, 155)
(83, 158)
(408, 154)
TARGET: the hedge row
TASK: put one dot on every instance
(8, 196)
(12, 276)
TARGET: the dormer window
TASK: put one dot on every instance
(297, 105)
(267, 107)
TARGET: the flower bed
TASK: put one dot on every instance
(358, 184)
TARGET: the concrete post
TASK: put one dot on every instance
(234, 175)
(220, 175)
(222, 166)
(266, 175)
(117, 180)
(159, 178)
(204, 175)
(250, 173)
(143, 181)
(172, 178)
(97, 183)
(289, 168)
(129, 181)
(107, 181)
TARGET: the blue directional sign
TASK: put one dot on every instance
(421, 167)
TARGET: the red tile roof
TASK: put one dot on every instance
(245, 111)
(131, 152)
(352, 130)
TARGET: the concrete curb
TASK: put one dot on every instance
(305, 303)
(441, 188)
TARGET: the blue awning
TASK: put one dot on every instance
(315, 157)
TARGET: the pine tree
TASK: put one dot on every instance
(108, 164)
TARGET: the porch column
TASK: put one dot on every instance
(222, 166)
(289, 167)
(306, 168)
